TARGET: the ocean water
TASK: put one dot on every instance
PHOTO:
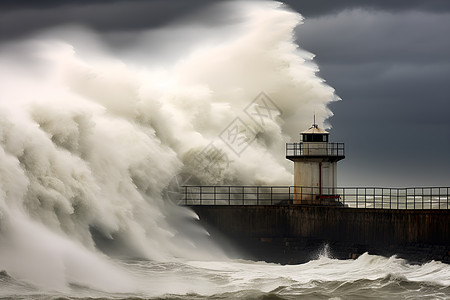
(367, 277)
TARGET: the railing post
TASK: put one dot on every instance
(301, 194)
(365, 198)
(229, 195)
(398, 203)
(406, 198)
(343, 196)
(374, 202)
(390, 198)
(257, 195)
(422, 198)
(357, 205)
(396, 198)
(271, 193)
(439, 198)
(289, 193)
(431, 198)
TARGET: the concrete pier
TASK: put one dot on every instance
(296, 233)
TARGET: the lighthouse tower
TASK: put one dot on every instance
(315, 166)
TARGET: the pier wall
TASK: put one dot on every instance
(292, 233)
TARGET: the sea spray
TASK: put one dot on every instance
(90, 137)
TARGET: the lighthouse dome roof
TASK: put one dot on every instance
(314, 129)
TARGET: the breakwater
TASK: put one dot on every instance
(287, 233)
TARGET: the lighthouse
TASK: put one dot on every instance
(315, 167)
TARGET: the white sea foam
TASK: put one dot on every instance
(266, 277)
(90, 138)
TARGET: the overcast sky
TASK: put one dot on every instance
(389, 61)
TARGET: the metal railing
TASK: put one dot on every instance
(315, 149)
(353, 197)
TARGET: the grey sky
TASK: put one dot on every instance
(388, 60)
(392, 70)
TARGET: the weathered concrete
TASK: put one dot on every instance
(291, 233)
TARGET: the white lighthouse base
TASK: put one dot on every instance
(314, 180)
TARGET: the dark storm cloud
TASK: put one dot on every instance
(359, 36)
(378, 55)
(392, 71)
(309, 8)
(316, 8)
(18, 18)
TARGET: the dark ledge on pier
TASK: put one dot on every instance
(292, 234)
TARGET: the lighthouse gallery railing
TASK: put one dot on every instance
(317, 148)
(353, 197)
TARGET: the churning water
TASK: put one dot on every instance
(368, 277)
(93, 131)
